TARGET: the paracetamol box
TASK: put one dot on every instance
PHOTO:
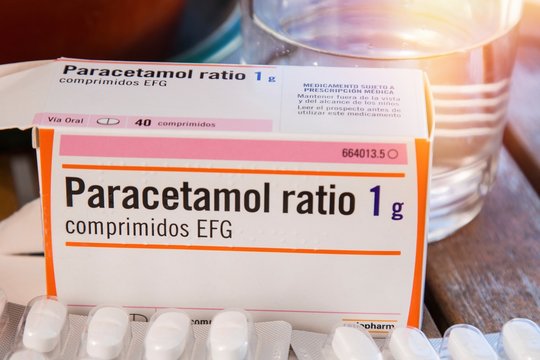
(296, 193)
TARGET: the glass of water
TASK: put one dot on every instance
(467, 48)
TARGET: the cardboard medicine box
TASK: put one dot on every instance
(296, 193)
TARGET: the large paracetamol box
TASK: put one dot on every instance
(296, 193)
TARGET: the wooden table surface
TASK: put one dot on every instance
(489, 272)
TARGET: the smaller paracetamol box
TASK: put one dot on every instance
(296, 193)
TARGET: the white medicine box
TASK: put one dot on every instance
(295, 193)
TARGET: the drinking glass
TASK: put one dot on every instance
(467, 48)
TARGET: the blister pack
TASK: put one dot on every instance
(45, 330)
(518, 340)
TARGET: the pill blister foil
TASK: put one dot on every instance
(273, 337)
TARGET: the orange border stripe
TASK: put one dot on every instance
(46, 139)
(422, 165)
(234, 249)
(231, 171)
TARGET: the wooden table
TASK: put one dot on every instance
(489, 272)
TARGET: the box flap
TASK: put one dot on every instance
(210, 97)
(22, 86)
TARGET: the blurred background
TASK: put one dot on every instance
(111, 29)
(137, 30)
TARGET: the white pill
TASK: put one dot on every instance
(352, 344)
(107, 331)
(28, 355)
(468, 344)
(229, 336)
(44, 324)
(167, 337)
(521, 339)
(411, 344)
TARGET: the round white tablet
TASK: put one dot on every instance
(44, 323)
(229, 336)
(167, 336)
(106, 334)
(349, 343)
(521, 339)
(411, 344)
(28, 355)
(466, 343)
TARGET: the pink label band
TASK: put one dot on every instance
(151, 122)
(233, 149)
